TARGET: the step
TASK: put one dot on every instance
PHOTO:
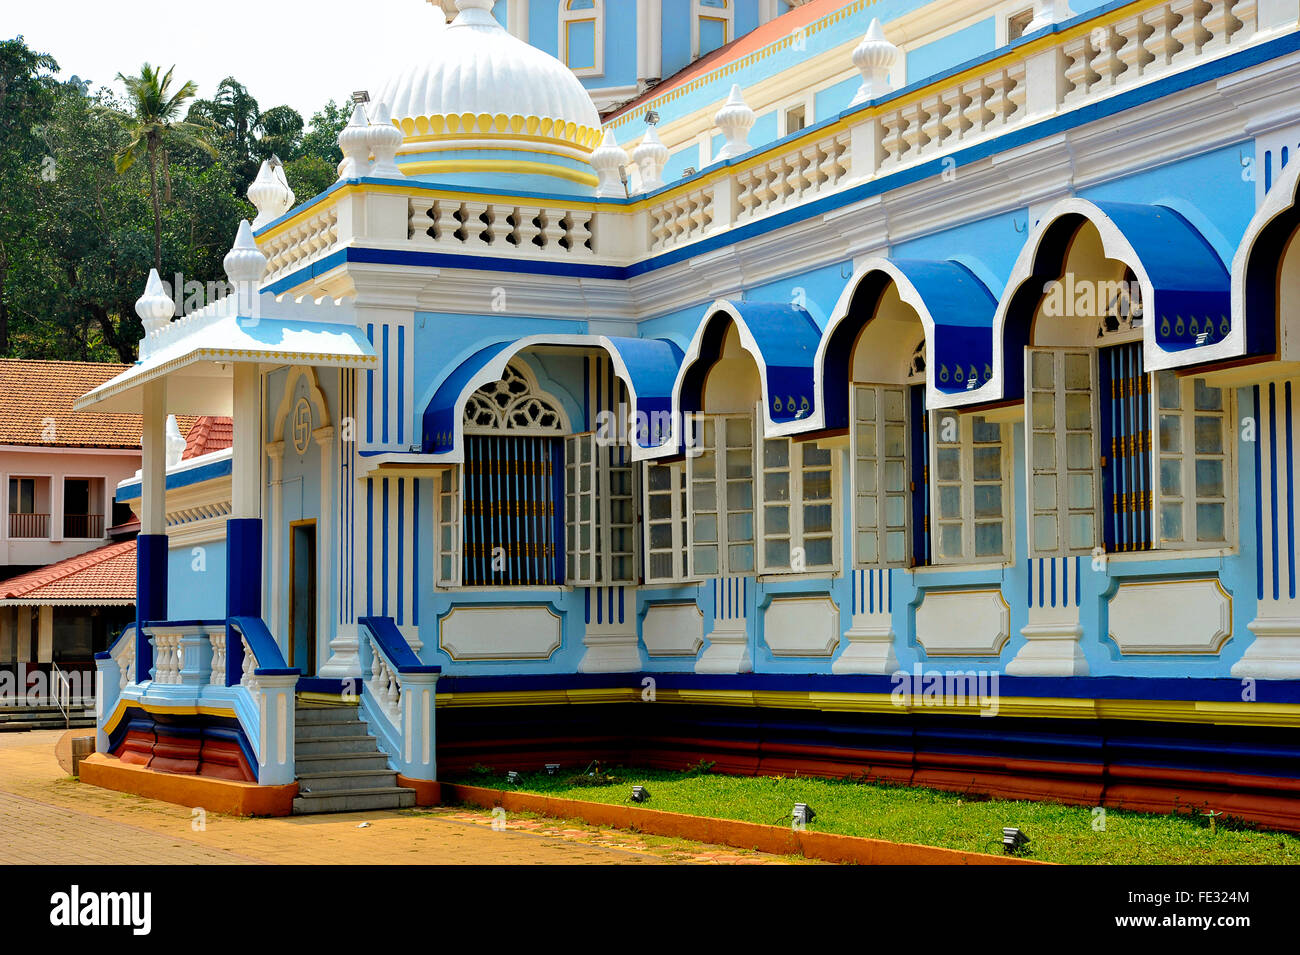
(347, 779)
(354, 800)
(329, 745)
(321, 763)
(353, 728)
(326, 714)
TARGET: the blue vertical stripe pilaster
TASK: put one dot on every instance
(243, 585)
(151, 596)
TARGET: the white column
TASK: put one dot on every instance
(273, 528)
(767, 10)
(329, 647)
(45, 635)
(6, 634)
(24, 654)
(57, 485)
(153, 458)
(870, 636)
(654, 64)
(246, 452)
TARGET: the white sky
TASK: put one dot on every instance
(297, 52)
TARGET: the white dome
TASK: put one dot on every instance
(476, 78)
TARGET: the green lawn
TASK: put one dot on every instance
(906, 814)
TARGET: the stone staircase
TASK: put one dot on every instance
(339, 766)
(15, 719)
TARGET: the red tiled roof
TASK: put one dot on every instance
(36, 400)
(740, 47)
(105, 575)
(210, 433)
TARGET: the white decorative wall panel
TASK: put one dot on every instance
(500, 633)
(673, 630)
(802, 626)
(1174, 616)
(965, 623)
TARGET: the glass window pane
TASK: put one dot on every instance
(988, 540)
(988, 501)
(1078, 372)
(1209, 479)
(895, 441)
(740, 495)
(866, 477)
(740, 558)
(777, 554)
(950, 502)
(1082, 534)
(1045, 452)
(950, 540)
(776, 520)
(1078, 451)
(867, 511)
(867, 551)
(1167, 387)
(1045, 532)
(895, 545)
(893, 405)
(866, 403)
(1080, 490)
(776, 454)
(817, 486)
(1170, 437)
(1045, 492)
(1171, 522)
(1210, 522)
(1209, 434)
(948, 464)
(738, 433)
(740, 527)
(776, 487)
(706, 560)
(895, 511)
(1043, 370)
(819, 552)
(1206, 398)
(815, 457)
(817, 519)
(1171, 477)
(988, 464)
(1044, 412)
(705, 529)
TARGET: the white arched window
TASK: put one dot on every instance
(582, 36)
(712, 25)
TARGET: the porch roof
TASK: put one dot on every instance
(104, 577)
(197, 352)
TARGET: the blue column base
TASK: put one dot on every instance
(150, 596)
(243, 585)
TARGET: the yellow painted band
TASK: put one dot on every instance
(497, 165)
(183, 709)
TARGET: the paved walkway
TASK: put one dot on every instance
(49, 818)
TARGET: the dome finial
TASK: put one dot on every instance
(270, 193)
(475, 13)
(651, 157)
(354, 141)
(735, 119)
(245, 265)
(608, 160)
(155, 307)
(874, 57)
(385, 139)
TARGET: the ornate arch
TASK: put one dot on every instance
(314, 394)
(514, 403)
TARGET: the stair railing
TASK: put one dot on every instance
(265, 685)
(398, 698)
(62, 689)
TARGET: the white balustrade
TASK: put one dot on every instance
(529, 231)
(167, 658)
(303, 243)
(218, 640)
(126, 662)
(248, 675)
(384, 684)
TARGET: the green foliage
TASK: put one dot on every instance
(78, 236)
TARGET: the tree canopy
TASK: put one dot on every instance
(79, 229)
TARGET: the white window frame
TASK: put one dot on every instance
(726, 14)
(677, 520)
(599, 469)
(596, 15)
(967, 484)
(877, 459)
(447, 541)
(1058, 436)
(1187, 458)
(795, 535)
(695, 451)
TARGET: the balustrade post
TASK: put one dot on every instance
(275, 701)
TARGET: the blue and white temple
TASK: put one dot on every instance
(901, 389)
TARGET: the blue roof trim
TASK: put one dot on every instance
(962, 309)
(648, 366)
(179, 479)
(786, 340)
(1192, 286)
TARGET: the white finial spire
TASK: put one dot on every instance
(175, 442)
(651, 157)
(874, 57)
(475, 13)
(155, 307)
(735, 119)
(245, 265)
(354, 141)
(385, 139)
(270, 193)
(608, 159)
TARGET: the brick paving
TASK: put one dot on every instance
(49, 818)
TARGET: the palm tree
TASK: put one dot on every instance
(153, 121)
